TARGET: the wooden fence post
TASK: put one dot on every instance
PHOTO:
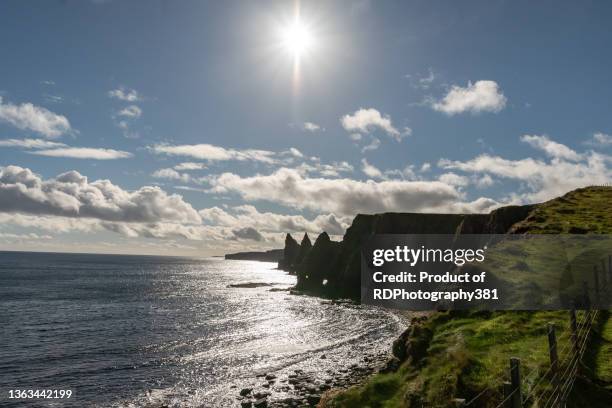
(507, 388)
(515, 379)
(596, 280)
(552, 351)
(574, 327)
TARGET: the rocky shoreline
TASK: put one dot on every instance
(306, 388)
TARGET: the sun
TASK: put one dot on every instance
(297, 39)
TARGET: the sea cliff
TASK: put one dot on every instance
(330, 268)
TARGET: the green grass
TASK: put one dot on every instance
(467, 355)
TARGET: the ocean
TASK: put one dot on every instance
(145, 331)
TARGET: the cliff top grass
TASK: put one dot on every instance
(469, 352)
(586, 210)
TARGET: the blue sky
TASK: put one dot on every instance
(398, 106)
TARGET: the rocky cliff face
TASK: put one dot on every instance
(290, 254)
(334, 268)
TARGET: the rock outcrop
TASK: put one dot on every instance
(290, 254)
(305, 247)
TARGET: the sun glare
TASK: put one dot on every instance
(297, 39)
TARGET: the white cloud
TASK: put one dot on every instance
(366, 120)
(483, 181)
(550, 147)
(84, 153)
(344, 196)
(425, 167)
(30, 143)
(329, 170)
(370, 170)
(249, 216)
(355, 137)
(189, 166)
(248, 233)
(425, 82)
(125, 94)
(600, 139)
(72, 195)
(131, 111)
(312, 127)
(373, 145)
(171, 174)
(542, 180)
(454, 179)
(295, 152)
(422, 82)
(482, 96)
(34, 118)
(215, 153)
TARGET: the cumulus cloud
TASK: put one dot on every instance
(34, 118)
(543, 180)
(295, 152)
(600, 139)
(131, 111)
(367, 120)
(249, 233)
(125, 94)
(72, 195)
(343, 196)
(454, 179)
(84, 153)
(329, 170)
(482, 96)
(30, 143)
(370, 170)
(189, 166)
(249, 216)
(550, 147)
(213, 153)
(171, 174)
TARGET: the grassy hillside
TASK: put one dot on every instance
(468, 352)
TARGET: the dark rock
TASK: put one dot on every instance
(316, 271)
(290, 254)
(391, 366)
(245, 391)
(246, 404)
(413, 342)
(261, 403)
(313, 399)
(305, 247)
(270, 377)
